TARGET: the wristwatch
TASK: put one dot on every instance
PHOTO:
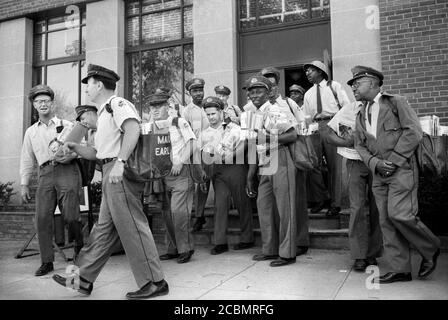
(121, 160)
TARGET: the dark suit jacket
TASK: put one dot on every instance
(398, 133)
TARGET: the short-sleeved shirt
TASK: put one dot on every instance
(343, 123)
(109, 133)
(196, 117)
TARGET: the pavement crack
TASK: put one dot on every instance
(226, 280)
(339, 288)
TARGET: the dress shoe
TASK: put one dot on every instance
(185, 257)
(360, 265)
(85, 287)
(318, 208)
(220, 248)
(198, 224)
(428, 266)
(371, 262)
(395, 277)
(301, 250)
(333, 212)
(243, 245)
(263, 257)
(150, 290)
(169, 256)
(282, 262)
(44, 269)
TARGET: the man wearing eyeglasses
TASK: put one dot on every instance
(59, 179)
(387, 134)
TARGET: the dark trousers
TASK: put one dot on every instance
(121, 217)
(57, 185)
(200, 200)
(365, 236)
(303, 238)
(396, 198)
(316, 185)
(230, 180)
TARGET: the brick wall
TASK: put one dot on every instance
(17, 8)
(414, 53)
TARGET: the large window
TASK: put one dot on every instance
(59, 59)
(159, 47)
(256, 14)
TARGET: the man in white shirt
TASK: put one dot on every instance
(198, 121)
(290, 107)
(224, 148)
(59, 179)
(365, 236)
(321, 103)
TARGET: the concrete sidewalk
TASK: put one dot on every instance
(319, 275)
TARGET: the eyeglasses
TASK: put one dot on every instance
(48, 101)
(356, 84)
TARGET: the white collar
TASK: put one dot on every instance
(323, 83)
(265, 106)
(377, 97)
(54, 120)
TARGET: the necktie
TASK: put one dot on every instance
(369, 111)
(319, 100)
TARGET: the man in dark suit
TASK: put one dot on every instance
(386, 137)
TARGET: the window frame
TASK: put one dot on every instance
(286, 25)
(79, 58)
(140, 48)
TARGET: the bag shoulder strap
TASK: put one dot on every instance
(329, 82)
(290, 108)
(108, 107)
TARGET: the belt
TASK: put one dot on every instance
(47, 163)
(323, 118)
(107, 160)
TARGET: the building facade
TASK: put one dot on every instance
(152, 43)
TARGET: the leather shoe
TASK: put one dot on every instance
(220, 248)
(360, 265)
(150, 290)
(243, 245)
(318, 208)
(428, 266)
(301, 250)
(333, 212)
(185, 257)
(44, 269)
(371, 262)
(169, 256)
(198, 224)
(85, 287)
(282, 262)
(395, 277)
(263, 257)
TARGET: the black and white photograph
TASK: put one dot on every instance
(223, 156)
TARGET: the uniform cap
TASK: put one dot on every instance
(161, 95)
(101, 73)
(258, 81)
(194, 83)
(296, 87)
(40, 89)
(222, 90)
(84, 108)
(362, 71)
(318, 64)
(271, 71)
(213, 102)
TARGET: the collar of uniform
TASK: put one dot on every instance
(55, 119)
(323, 83)
(265, 106)
(377, 98)
(104, 104)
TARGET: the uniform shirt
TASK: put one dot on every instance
(297, 112)
(109, 134)
(344, 122)
(276, 120)
(210, 138)
(196, 117)
(233, 113)
(375, 110)
(179, 137)
(329, 104)
(35, 146)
